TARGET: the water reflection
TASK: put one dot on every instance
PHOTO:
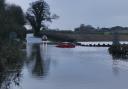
(119, 64)
(38, 60)
(115, 67)
(11, 68)
(119, 61)
(78, 68)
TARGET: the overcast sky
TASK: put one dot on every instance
(102, 13)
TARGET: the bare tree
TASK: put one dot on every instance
(38, 14)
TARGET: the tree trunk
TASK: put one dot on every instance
(37, 32)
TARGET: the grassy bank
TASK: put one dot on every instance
(72, 36)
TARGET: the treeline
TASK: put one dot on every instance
(11, 20)
(90, 29)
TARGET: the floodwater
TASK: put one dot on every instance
(48, 67)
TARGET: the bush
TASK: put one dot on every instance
(118, 49)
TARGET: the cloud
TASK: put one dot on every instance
(95, 12)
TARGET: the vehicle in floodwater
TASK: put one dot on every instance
(65, 45)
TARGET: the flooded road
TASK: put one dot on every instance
(48, 67)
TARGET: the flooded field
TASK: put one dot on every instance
(48, 67)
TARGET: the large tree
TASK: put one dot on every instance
(38, 14)
(2, 4)
(12, 19)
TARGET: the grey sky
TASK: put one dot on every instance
(102, 13)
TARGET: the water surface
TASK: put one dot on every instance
(48, 67)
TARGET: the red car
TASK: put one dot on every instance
(66, 45)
